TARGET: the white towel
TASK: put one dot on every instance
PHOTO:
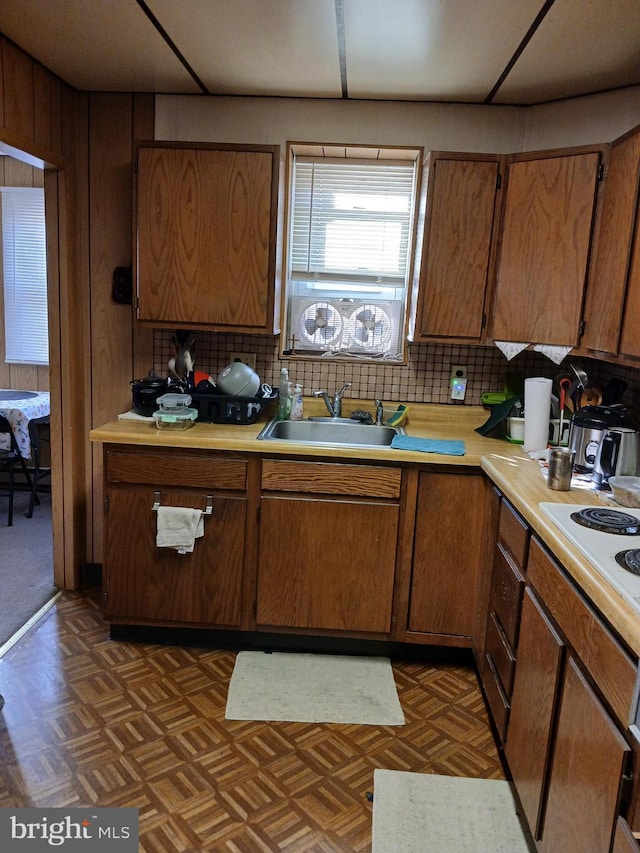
(178, 528)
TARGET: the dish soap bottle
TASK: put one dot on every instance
(296, 407)
(284, 396)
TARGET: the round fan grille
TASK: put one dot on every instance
(320, 324)
(370, 327)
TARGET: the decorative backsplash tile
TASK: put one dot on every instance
(424, 379)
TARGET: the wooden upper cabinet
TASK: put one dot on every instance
(546, 233)
(608, 284)
(205, 239)
(454, 272)
(630, 332)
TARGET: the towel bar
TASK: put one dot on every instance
(207, 511)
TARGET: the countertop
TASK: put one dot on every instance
(517, 476)
(425, 421)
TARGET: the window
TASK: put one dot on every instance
(351, 224)
(25, 276)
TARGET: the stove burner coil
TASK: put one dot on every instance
(608, 520)
(629, 560)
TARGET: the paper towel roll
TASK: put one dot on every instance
(537, 410)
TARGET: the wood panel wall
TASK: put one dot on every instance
(117, 353)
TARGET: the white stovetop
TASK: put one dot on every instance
(600, 548)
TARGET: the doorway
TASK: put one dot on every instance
(27, 570)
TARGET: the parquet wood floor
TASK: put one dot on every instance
(91, 721)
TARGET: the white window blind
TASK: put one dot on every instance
(25, 276)
(351, 220)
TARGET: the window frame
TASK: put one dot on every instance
(387, 287)
(14, 271)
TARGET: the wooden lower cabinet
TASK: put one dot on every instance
(326, 564)
(327, 546)
(146, 584)
(503, 621)
(446, 559)
(564, 746)
(158, 584)
(589, 761)
(533, 705)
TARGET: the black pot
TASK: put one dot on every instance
(145, 393)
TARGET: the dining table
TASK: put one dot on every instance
(19, 407)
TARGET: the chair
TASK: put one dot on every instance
(9, 459)
(38, 437)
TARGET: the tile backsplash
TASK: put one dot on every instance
(424, 379)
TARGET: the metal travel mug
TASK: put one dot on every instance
(561, 461)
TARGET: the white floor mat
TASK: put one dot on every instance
(313, 688)
(422, 813)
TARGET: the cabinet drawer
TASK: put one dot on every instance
(607, 662)
(371, 481)
(168, 467)
(513, 533)
(496, 698)
(501, 653)
(507, 586)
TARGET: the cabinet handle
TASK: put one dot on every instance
(157, 503)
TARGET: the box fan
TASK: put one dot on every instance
(366, 326)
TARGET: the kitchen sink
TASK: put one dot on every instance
(340, 431)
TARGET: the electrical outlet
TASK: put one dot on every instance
(458, 382)
(245, 357)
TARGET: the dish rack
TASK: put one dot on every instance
(220, 409)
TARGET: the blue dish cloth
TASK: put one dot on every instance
(428, 445)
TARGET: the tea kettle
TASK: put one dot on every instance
(618, 453)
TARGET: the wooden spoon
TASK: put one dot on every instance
(591, 397)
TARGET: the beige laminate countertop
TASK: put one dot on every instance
(513, 472)
(425, 421)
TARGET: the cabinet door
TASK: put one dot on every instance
(326, 564)
(205, 221)
(588, 764)
(607, 286)
(533, 703)
(461, 201)
(630, 336)
(446, 557)
(145, 582)
(546, 235)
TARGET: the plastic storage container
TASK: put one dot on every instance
(626, 490)
(174, 412)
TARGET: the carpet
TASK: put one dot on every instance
(26, 567)
(313, 688)
(422, 813)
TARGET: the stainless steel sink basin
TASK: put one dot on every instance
(341, 431)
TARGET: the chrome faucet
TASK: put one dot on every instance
(334, 406)
(379, 413)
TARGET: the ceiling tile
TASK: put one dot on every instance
(582, 46)
(96, 46)
(252, 47)
(429, 49)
